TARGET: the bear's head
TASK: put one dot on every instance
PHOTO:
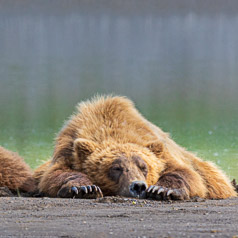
(119, 169)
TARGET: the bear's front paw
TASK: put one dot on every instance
(90, 191)
(163, 193)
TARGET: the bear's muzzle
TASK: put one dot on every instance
(137, 189)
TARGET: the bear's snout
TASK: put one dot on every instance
(137, 189)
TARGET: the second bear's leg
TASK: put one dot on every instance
(177, 184)
(63, 182)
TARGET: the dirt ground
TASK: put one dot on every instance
(117, 217)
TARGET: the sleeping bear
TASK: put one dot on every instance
(15, 174)
(108, 148)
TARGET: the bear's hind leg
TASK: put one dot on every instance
(62, 182)
(218, 184)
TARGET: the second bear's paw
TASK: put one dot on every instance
(87, 192)
(163, 193)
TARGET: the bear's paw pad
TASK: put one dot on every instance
(163, 193)
(85, 192)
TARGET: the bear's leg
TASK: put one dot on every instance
(177, 184)
(218, 184)
(63, 182)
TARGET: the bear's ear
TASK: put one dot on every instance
(156, 147)
(84, 147)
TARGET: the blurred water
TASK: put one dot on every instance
(177, 61)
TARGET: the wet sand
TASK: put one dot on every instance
(117, 217)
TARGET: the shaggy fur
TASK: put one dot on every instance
(15, 173)
(99, 144)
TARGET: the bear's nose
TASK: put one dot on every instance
(137, 188)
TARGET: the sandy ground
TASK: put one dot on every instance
(117, 217)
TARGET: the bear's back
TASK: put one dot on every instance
(105, 119)
(111, 118)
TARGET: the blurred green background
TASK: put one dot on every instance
(177, 60)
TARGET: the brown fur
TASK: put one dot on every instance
(59, 176)
(15, 173)
(109, 132)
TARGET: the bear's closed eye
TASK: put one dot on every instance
(117, 169)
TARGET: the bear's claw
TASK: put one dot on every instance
(75, 190)
(163, 193)
(90, 191)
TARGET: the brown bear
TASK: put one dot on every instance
(108, 148)
(15, 174)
